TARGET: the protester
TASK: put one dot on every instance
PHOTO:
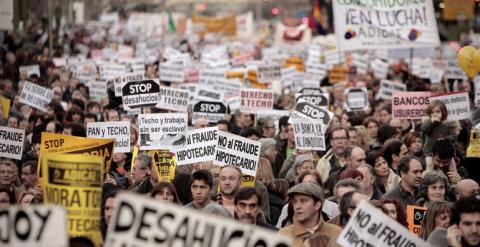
(164, 191)
(437, 216)
(406, 191)
(229, 185)
(394, 209)
(465, 221)
(247, 207)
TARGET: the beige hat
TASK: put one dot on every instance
(308, 188)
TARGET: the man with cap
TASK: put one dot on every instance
(307, 199)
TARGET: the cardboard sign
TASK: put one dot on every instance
(311, 90)
(369, 226)
(473, 150)
(356, 99)
(173, 99)
(163, 163)
(458, 104)
(65, 144)
(35, 225)
(120, 80)
(36, 96)
(5, 105)
(120, 131)
(30, 70)
(415, 216)
(74, 181)
(212, 111)
(387, 88)
(360, 26)
(11, 142)
(308, 110)
(199, 146)
(162, 130)
(208, 94)
(309, 134)
(97, 89)
(141, 221)
(338, 74)
(410, 105)
(320, 100)
(171, 72)
(238, 151)
(269, 72)
(252, 100)
(137, 94)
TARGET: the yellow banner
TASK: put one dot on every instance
(225, 25)
(74, 181)
(338, 74)
(5, 106)
(164, 163)
(248, 181)
(458, 10)
(65, 144)
(473, 150)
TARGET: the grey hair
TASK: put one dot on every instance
(346, 202)
(431, 178)
(369, 169)
(144, 160)
(348, 182)
(267, 143)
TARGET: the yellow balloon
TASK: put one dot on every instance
(465, 58)
(476, 59)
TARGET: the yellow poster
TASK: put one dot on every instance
(458, 10)
(226, 25)
(74, 181)
(65, 144)
(338, 74)
(248, 181)
(5, 106)
(473, 150)
(164, 163)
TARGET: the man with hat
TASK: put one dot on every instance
(307, 199)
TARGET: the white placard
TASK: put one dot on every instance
(36, 96)
(173, 99)
(269, 72)
(238, 151)
(119, 80)
(172, 72)
(252, 100)
(30, 70)
(209, 110)
(453, 71)
(6, 15)
(436, 75)
(317, 70)
(138, 94)
(97, 89)
(477, 90)
(380, 68)
(210, 76)
(34, 226)
(371, 227)
(162, 130)
(309, 134)
(109, 70)
(361, 62)
(458, 104)
(208, 94)
(356, 99)
(11, 142)
(120, 131)
(141, 221)
(387, 88)
(199, 146)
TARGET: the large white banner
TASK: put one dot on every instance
(385, 24)
(199, 146)
(162, 130)
(145, 222)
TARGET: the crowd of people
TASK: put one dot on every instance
(305, 194)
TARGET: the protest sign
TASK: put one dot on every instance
(380, 68)
(369, 226)
(318, 70)
(108, 70)
(120, 80)
(374, 25)
(320, 100)
(473, 150)
(120, 131)
(228, 87)
(137, 94)
(410, 105)
(36, 96)
(11, 142)
(454, 10)
(252, 100)
(387, 88)
(162, 130)
(97, 89)
(332, 58)
(6, 15)
(337, 74)
(422, 67)
(436, 75)
(287, 76)
(238, 151)
(458, 104)
(74, 181)
(210, 76)
(222, 25)
(309, 134)
(5, 105)
(453, 71)
(173, 99)
(163, 163)
(199, 146)
(171, 72)
(361, 63)
(65, 144)
(35, 225)
(356, 99)
(307, 110)
(208, 94)
(476, 82)
(134, 216)
(269, 72)
(30, 70)
(212, 111)
(415, 216)
(311, 90)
